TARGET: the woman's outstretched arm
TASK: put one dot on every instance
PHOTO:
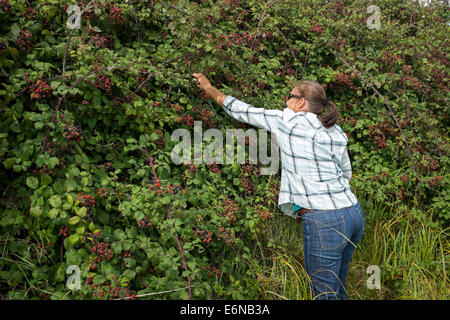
(244, 112)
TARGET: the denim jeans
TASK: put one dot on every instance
(330, 237)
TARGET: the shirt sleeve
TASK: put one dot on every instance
(346, 165)
(258, 117)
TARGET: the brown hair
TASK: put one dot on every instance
(316, 93)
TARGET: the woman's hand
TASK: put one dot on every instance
(210, 91)
(201, 81)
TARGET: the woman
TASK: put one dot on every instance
(315, 176)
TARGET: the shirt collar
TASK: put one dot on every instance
(297, 117)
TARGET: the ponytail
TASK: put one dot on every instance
(330, 118)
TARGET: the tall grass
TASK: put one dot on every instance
(412, 257)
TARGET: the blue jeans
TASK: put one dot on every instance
(330, 236)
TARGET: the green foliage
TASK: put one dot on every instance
(87, 115)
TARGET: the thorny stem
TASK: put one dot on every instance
(387, 105)
(169, 214)
(181, 252)
(393, 116)
(136, 21)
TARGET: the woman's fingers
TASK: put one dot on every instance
(200, 80)
(197, 77)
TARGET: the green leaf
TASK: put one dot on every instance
(55, 201)
(70, 185)
(74, 171)
(69, 199)
(73, 238)
(54, 84)
(32, 182)
(131, 141)
(53, 213)
(15, 30)
(129, 274)
(60, 273)
(165, 200)
(52, 162)
(130, 262)
(82, 212)
(117, 248)
(119, 234)
(99, 279)
(154, 136)
(91, 122)
(8, 163)
(185, 273)
(80, 230)
(36, 211)
(74, 220)
(46, 180)
(14, 52)
(183, 100)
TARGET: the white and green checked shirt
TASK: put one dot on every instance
(316, 168)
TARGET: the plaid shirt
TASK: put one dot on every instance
(316, 169)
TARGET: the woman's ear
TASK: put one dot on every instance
(300, 105)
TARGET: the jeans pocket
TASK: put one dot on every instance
(331, 230)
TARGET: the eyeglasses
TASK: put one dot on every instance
(298, 97)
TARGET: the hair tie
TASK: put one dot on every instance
(325, 101)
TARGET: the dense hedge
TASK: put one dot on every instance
(87, 116)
